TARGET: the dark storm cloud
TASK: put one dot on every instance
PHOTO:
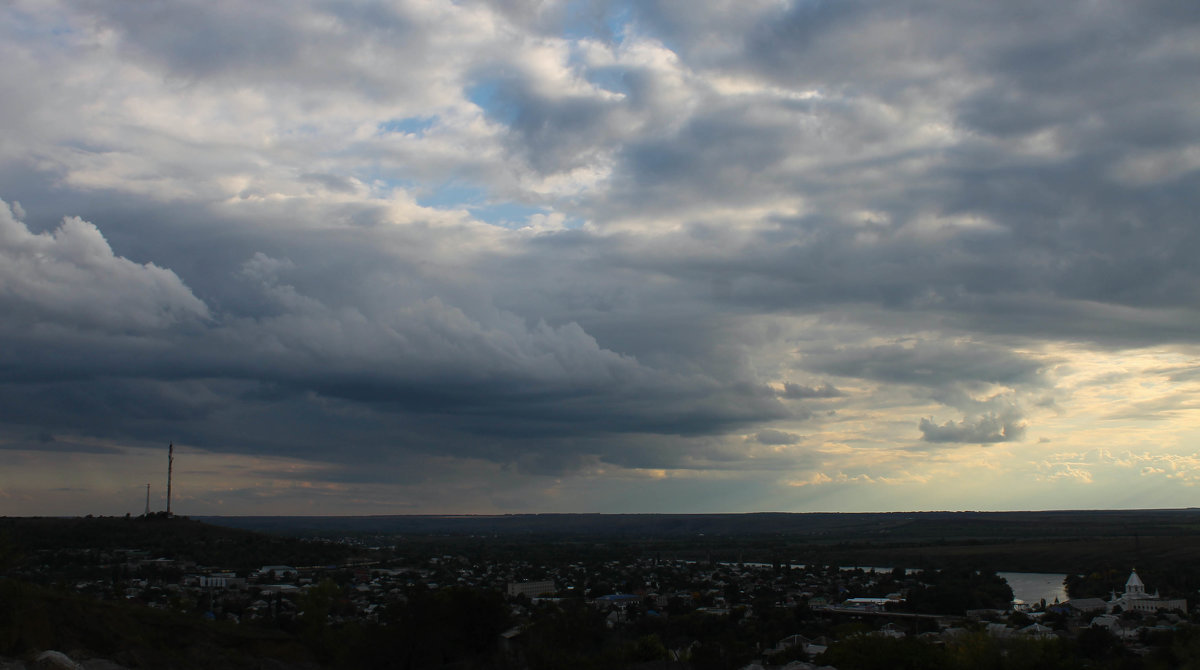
(929, 364)
(423, 374)
(795, 391)
(1095, 209)
(986, 429)
(45, 442)
(331, 182)
(1117, 289)
(776, 437)
(548, 131)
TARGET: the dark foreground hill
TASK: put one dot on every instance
(34, 618)
(177, 538)
(916, 526)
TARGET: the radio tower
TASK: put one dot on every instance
(170, 464)
(147, 501)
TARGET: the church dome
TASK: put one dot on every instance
(1134, 584)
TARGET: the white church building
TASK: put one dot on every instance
(1136, 599)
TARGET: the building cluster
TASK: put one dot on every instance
(1136, 599)
(625, 591)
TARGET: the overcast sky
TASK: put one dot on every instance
(427, 256)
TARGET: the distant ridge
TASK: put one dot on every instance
(909, 525)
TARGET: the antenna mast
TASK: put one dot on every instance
(147, 501)
(170, 465)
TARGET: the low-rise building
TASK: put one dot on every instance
(1136, 599)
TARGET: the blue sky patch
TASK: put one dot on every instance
(413, 125)
(457, 195)
(490, 96)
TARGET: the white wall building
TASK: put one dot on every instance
(222, 580)
(1136, 599)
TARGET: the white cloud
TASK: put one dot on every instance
(71, 278)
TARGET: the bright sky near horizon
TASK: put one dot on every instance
(427, 256)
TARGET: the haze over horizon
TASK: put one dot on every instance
(598, 256)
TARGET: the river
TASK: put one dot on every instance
(1029, 587)
(1034, 586)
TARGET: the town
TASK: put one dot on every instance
(458, 602)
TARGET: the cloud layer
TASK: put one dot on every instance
(673, 256)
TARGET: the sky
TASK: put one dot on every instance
(703, 256)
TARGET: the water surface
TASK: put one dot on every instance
(1034, 586)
